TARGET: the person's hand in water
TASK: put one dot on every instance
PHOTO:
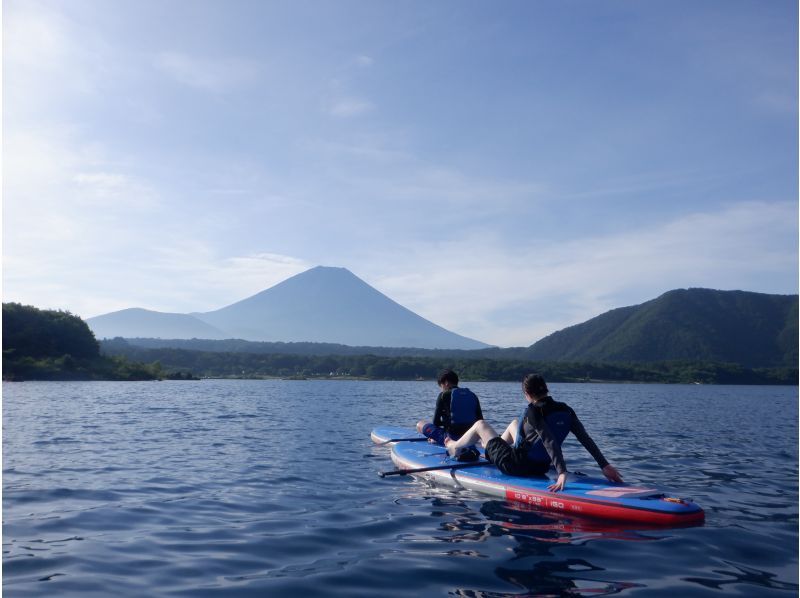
(611, 473)
(561, 482)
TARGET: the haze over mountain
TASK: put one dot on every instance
(752, 329)
(323, 304)
(146, 323)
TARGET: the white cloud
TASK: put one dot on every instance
(209, 74)
(48, 61)
(34, 38)
(449, 186)
(162, 273)
(382, 172)
(125, 191)
(780, 102)
(192, 276)
(518, 293)
(50, 169)
(364, 61)
(349, 106)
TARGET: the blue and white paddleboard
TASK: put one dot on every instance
(583, 496)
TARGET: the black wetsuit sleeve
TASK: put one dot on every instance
(583, 437)
(536, 420)
(442, 413)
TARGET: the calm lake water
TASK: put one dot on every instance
(270, 488)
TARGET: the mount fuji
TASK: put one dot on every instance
(323, 304)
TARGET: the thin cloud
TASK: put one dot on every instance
(215, 75)
(350, 107)
(34, 38)
(174, 275)
(364, 61)
(464, 286)
(777, 102)
(49, 60)
(375, 168)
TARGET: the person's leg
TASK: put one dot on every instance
(433, 433)
(480, 430)
(510, 433)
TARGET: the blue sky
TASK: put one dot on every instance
(502, 169)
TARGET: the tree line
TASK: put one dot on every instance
(380, 367)
(57, 345)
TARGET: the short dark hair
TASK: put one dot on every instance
(534, 385)
(447, 376)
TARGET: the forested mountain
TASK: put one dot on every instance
(44, 333)
(57, 345)
(751, 329)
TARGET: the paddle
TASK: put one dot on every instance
(402, 440)
(383, 474)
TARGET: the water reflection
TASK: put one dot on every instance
(525, 522)
(524, 519)
(536, 534)
(745, 575)
(537, 565)
(553, 578)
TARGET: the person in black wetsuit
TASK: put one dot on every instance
(529, 449)
(457, 409)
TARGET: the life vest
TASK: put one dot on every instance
(559, 423)
(463, 407)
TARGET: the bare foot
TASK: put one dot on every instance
(448, 444)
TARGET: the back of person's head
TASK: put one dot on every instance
(447, 376)
(534, 385)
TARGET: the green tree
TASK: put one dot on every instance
(32, 332)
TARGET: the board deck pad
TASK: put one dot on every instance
(583, 495)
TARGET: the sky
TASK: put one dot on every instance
(502, 169)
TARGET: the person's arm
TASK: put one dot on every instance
(439, 414)
(478, 412)
(583, 437)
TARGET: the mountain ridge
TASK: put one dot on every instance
(753, 329)
(136, 321)
(695, 324)
(323, 304)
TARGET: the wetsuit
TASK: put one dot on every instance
(441, 420)
(518, 460)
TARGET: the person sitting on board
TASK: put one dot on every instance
(530, 444)
(457, 409)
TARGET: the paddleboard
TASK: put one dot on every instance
(583, 496)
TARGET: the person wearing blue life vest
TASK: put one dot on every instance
(457, 409)
(530, 444)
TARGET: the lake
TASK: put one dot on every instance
(270, 488)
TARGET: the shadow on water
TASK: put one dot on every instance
(537, 564)
(524, 522)
(744, 575)
(535, 534)
(553, 578)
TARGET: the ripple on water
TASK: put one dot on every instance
(214, 488)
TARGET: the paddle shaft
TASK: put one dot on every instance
(383, 474)
(415, 439)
